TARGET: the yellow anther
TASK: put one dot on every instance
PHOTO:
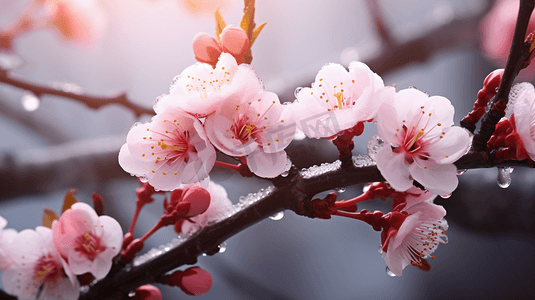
(165, 146)
(339, 98)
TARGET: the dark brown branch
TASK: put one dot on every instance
(379, 22)
(90, 101)
(519, 51)
(294, 192)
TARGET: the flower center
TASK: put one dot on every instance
(424, 241)
(48, 269)
(244, 130)
(89, 246)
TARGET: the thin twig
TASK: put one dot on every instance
(378, 20)
(519, 51)
(90, 101)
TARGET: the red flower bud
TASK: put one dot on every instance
(148, 292)
(196, 201)
(234, 40)
(195, 281)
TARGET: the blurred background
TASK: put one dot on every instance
(55, 144)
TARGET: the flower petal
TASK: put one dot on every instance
(438, 179)
(267, 165)
(393, 168)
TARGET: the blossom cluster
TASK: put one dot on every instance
(225, 107)
(43, 263)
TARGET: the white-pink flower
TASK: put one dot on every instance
(6, 238)
(219, 204)
(414, 234)
(87, 242)
(524, 118)
(170, 150)
(421, 142)
(37, 271)
(339, 99)
(253, 125)
(200, 88)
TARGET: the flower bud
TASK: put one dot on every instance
(195, 281)
(234, 40)
(196, 201)
(148, 292)
(206, 48)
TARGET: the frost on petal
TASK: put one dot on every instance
(392, 167)
(438, 179)
(524, 115)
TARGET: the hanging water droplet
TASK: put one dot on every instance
(460, 171)
(510, 169)
(504, 178)
(277, 216)
(143, 179)
(366, 188)
(389, 273)
(131, 294)
(30, 101)
(340, 189)
(445, 196)
(445, 239)
(380, 249)
(374, 145)
(297, 90)
(204, 254)
(222, 247)
(285, 173)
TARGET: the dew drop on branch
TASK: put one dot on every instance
(277, 216)
(30, 101)
(504, 178)
(460, 171)
(340, 189)
(222, 247)
(389, 273)
(374, 145)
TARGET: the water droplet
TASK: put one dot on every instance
(277, 216)
(340, 189)
(374, 145)
(299, 135)
(204, 254)
(504, 178)
(222, 247)
(285, 173)
(143, 179)
(366, 188)
(461, 171)
(445, 239)
(297, 90)
(510, 169)
(380, 249)
(389, 273)
(30, 101)
(445, 196)
(131, 294)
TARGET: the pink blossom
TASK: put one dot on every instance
(37, 271)
(497, 30)
(421, 142)
(200, 89)
(339, 99)
(6, 238)
(170, 150)
(253, 125)
(82, 21)
(86, 241)
(219, 204)
(414, 234)
(524, 119)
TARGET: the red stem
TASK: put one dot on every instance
(227, 166)
(139, 206)
(346, 203)
(155, 228)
